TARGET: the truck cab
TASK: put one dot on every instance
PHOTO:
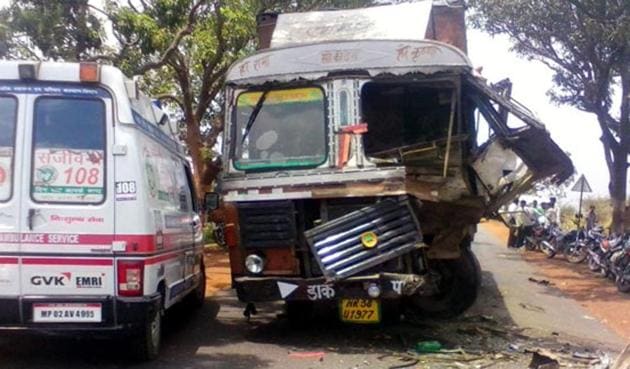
(360, 156)
(99, 229)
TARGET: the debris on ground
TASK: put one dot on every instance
(428, 346)
(543, 361)
(543, 282)
(531, 307)
(319, 355)
(623, 360)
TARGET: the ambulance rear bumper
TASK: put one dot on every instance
(117, 313)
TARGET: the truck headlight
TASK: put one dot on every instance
(373, 290)
(254, 263)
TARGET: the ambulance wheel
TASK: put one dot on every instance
(458, 285)
(198, 296)
(150, 335)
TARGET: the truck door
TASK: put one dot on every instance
(67, 211)
(519, 151)
(11, 112)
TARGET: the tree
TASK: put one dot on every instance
(52, 30)
(184, 48)
(586, 43)
(181, 48)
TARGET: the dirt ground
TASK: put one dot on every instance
(597, 295)
(217, 270)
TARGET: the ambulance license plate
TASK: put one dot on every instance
(67, 313)
(360, 311)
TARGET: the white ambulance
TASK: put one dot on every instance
(99, 226)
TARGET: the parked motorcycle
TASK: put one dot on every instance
(600, 253)
(538, 233)
(571, 244)
(620, 267)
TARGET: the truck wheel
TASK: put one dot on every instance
(458, 287)
(198, 296)
(150, 336)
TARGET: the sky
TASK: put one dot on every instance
(575, 132)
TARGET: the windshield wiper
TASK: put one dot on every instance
(254, 114)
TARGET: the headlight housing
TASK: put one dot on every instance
(254, 263)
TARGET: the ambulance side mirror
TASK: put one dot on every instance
(210, 201)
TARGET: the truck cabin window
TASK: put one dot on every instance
(68, 150)
(280, 129)
(400, 115)
(8, 109)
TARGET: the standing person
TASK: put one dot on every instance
(512, 224)
(591, 218)
(525, 222)
(536, 210)
(553, 213)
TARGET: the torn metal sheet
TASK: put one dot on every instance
(365, 238)
(532, 143)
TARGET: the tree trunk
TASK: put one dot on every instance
(617, 188)
(193, 141)
(617, 157)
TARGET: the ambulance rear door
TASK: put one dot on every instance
(67, 207)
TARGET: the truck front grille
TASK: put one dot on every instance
(339, 245)
(267, 224)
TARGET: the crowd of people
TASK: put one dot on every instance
(522, 217)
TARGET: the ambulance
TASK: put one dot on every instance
(99, 225)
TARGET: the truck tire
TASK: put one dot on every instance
(459, 286)
(149, 337)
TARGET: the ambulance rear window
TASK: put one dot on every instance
(8, 110)
(68, 150)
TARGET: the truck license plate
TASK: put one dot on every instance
(360, 311)
(66, 313)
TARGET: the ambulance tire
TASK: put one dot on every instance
(461, 280)
(198, 295)
(149, 338)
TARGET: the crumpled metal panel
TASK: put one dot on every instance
(338, 245)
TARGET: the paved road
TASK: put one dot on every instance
(511, 310)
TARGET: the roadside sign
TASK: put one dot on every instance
(581, 185)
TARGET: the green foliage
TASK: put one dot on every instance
(603, 209)
(585, 42)
(55, 30)
(587, 45)
(182, 48)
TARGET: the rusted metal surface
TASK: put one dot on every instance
(266, 24)
(448, 24)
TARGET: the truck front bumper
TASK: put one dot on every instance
(117, 313)
(390, 286)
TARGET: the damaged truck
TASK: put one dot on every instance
(360, 151)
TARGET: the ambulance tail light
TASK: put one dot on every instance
(89, 72)
(130, 277)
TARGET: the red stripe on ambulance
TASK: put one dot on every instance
(67, 261)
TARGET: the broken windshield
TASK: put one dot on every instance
(289, 129)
